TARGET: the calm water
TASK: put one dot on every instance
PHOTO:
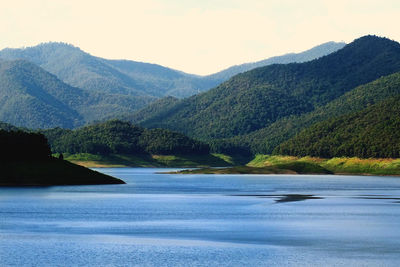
(206, 220)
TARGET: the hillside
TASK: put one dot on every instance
(372, 132)
(155, 109)
(33, 98)
(266, 139)
(256, 99)
(80, 69)
(118, 137)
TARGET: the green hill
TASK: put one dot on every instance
(256, 99)
(372, 132)
(33, 98)
(153, 110)
(118, 137)
(266, 139)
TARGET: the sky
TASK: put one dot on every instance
(194, 36)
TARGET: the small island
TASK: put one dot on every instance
(25, 160)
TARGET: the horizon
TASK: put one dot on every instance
(194, 37)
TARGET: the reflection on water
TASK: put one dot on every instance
(226, 220)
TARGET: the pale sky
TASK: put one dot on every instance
(195, 36)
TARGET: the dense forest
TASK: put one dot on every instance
(372, 132)
(118, 137)
(256, 99)
(265, 140)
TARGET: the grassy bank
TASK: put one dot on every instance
(336, 165)
(184, 161)
(266, 164)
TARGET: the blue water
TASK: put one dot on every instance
(204, 220)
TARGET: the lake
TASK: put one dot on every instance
(204, 220)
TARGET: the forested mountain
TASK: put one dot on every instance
(256, 99)
(153, 110)
(372, 132)
(118, 137)
(34, 98)
(82, 70)
(266, 139)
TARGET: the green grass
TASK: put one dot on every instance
(335, 165)
(363, 166)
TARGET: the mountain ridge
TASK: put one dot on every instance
(80, 69)
(255, 99)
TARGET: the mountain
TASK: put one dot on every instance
(313, 53)
(80, 69)
(266, 139)
(154, 110)
(256, 99)
(32, 97)
(372, 132)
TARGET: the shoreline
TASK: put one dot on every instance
(260, 164)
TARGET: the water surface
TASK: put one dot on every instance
(206, 220)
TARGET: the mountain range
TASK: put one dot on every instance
(259, 109)
(80, 69)
(57, 84)
(298, 107)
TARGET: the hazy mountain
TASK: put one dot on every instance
(80, 69)
(77, 68)
(32, 97)
(313, 53)
(257, 98)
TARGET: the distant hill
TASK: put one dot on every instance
(256, 99)
(33, 98)
(118, 137)
(313, 53)
(80, 69)
(372, 132)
